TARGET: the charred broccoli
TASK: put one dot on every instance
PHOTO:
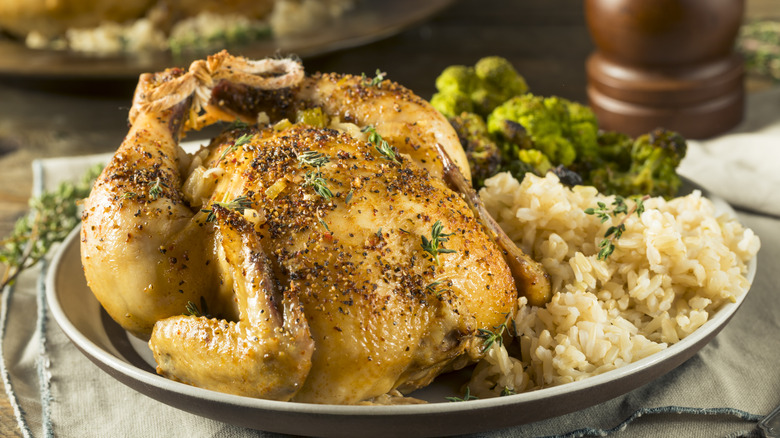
(478, 89)
(564, 131)
(483, 154)
(503, 127)
(651, 168)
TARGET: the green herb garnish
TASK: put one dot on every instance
(492, 337)
(376, 81)
(313, 159)
(614, 232)
(434, 245)
(156, 188)
(239, 204)
(240, 141)
(52, 216)
(466, 397)
(432, 288)
(319, 184)
(382, 146)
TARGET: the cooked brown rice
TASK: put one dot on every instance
(672, 268)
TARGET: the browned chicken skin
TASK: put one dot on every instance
(334, 272)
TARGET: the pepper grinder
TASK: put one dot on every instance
(665, 63)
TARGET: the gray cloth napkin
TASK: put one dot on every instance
(724, 389)
(743, 166)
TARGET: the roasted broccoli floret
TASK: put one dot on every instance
(497, 81)
(478, 89)
(534, 161)
(453, 103)
(654, 158)
(505, 128)
(482, 153)
(562, 130)
(615, 147)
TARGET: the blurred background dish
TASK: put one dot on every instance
(355, 23)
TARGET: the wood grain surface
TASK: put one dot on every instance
(546, 40)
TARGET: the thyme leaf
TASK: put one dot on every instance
(432, 288)
(313, 159)
(156, 188)
(319, 184)
(615, 232)
(492, 337)
(466, 397)
(376, 81)
(434, 246)
(380, 144)
(239, 204)
(240, 141)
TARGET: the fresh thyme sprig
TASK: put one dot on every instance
(315, 178)
(466, 397)
(156, 188)
(240, 141)
(376, 81)
(52, 216)
(434, 245)
(313, 159)
(239, 204)
(318, 183)
(433, 288)
(492, 337)
(615, 232)
(380, 144)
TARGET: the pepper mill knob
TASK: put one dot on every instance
(665, 63)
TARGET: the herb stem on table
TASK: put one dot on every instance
(52, 216)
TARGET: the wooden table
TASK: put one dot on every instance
(546, 40)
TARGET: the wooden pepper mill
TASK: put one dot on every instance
(665, 63)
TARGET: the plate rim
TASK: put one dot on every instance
(633, 374)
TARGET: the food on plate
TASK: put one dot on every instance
(478, 89)
(328, 245)
(110, 27)
(504, 126)
(50, 18)
(313, 251)
(647, 164)
(676, 263)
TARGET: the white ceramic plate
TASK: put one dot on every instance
(128, 360)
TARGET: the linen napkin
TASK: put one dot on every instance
(743, 166)
(56, 391)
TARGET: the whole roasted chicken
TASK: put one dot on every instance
(314, 251)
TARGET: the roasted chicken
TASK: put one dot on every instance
(324, 263)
